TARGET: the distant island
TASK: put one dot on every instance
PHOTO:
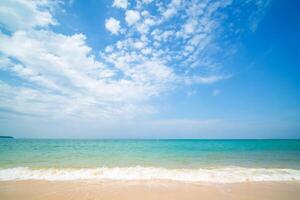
(6, 137)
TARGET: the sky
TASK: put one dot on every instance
(150, 69)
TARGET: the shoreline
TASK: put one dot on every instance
(135, 190)
(139, 173)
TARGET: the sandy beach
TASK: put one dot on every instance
(136, 190)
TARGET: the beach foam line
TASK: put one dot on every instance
(216, 175)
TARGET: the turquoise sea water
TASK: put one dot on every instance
(65, 153)
(184, 160)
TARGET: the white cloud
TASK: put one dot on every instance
(21, 14)
(146, 51)
(165, 35)
(69, 76)
(120, 4)
(132, 17)
(62, 76)
(108, 49)
(208, 79)
(112, 25)
(171, 9)
(190, 27)
(147, 1)
(139, 45)
(144, 26)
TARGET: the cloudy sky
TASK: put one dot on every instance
(150, 69)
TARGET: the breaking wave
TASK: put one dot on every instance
(215, 175)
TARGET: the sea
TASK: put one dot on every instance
(187, 160)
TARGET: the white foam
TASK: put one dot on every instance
(216, 175)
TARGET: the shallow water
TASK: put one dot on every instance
(187, 160)
(40, 153)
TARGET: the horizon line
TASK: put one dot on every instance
(99, 138)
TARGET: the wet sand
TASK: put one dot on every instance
(133, 190)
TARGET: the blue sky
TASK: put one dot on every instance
(150, 69)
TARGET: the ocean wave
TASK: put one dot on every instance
(216, 175)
